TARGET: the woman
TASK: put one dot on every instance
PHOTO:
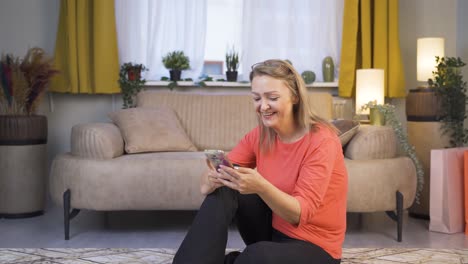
(292, 208)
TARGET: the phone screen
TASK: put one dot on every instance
(217, 158)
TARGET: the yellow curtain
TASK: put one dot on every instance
(370, 40)
(86, 48)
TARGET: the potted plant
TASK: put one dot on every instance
(176, 62)
(232, 64)
(387, 116)
(130, 82)
(450, 89)
(23, 83)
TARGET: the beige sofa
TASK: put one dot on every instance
(98, 175)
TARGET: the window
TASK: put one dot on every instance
(223, 30)
(303, 31)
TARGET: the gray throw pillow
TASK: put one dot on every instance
(151, 129)
(347, 128)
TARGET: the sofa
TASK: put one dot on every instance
(151, 157)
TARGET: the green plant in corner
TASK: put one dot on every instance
(451, 91)
(388, 112)
(130, 82)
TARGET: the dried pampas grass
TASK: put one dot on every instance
(24, 82)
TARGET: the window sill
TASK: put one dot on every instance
(232, 84)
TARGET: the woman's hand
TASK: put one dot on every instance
(244, 180)
(210, 180)
(249, 181)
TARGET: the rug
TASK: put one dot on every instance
(164, 256)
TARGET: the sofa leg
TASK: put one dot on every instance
(67, 215)
(398, 217)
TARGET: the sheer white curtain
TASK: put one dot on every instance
(148, 29)
(303, 31)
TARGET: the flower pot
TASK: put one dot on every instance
(175, 75)
(134, 74)
(23, 166)
(231, 76)
(376, 118)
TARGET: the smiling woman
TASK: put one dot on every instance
(280, 81)
(291, 179)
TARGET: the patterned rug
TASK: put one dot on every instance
(160, 256)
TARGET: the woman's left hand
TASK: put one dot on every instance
(244, 180)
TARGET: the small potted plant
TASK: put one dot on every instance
(232, 64)
(130, 82)
(176, 62)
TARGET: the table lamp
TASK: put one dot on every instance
(427, 50)
(422, 103)
(370, 87)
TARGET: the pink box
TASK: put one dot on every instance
(466, 190)
(446, 207)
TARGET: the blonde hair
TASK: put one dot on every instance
(303, 114)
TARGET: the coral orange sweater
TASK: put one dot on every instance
(313, 171)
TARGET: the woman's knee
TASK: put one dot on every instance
(255, 253)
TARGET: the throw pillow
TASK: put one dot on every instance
(347, 128)
(151, 129)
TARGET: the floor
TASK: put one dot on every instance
(165, 256)
(166, 229)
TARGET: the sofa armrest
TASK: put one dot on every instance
(96, 141)
(372, 142)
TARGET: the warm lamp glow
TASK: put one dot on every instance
(369, 87)
(428, 49)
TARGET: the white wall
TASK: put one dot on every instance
(426, 18)
(28, 23)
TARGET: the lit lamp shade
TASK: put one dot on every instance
(369, 87)
(428, 49)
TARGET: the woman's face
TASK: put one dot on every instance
(273, 102)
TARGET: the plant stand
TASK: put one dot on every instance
(23, 142)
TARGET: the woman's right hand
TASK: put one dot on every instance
(210, 180)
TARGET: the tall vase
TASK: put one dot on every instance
(23, 165)
(328, 69)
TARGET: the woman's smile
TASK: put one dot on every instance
(272, 100)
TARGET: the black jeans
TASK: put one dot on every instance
(205, 242)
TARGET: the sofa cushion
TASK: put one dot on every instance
(142, 181)
(96, 141)
(151, 129)
(372, 142)
(347, 128)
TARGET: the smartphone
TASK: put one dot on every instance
(217, 158)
